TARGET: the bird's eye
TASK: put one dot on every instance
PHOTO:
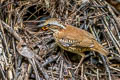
(44, 28)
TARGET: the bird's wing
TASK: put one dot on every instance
(85, 39)
(72, 36)
(67, 42)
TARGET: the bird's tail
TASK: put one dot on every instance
(100, 49)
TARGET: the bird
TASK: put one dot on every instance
(73, 39)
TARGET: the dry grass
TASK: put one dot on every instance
(27, 53)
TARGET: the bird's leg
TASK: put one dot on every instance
(82, 59)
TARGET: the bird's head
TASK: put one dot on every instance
(53, 24)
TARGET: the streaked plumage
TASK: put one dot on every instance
(73, 39)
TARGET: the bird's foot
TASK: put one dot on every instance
(80, 63)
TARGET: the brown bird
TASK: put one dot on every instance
(73, 39)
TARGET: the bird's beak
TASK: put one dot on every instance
(41, 24)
